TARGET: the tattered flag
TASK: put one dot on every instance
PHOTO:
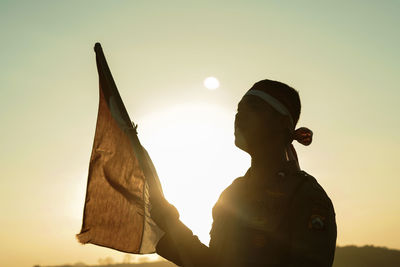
(121, 178)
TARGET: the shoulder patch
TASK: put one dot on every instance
(319, 213)
(316, 222)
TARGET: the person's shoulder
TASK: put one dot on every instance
(311, 186)
(227, 198)
(234, 187)
(311, 191)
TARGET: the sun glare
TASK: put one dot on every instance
(192, 147)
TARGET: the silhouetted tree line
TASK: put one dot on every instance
(367, 256)
(348, 256)
(145, 264)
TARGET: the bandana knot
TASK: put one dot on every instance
(303, 135)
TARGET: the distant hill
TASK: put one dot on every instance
(367, 256)
(145, 264)
(348, 256)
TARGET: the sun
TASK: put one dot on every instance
(192, 148)
(211, 83)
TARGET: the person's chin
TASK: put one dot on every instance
(242, 147)
(240, 142)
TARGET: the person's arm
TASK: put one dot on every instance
(178, 239)
(182, 238)
(313, 229)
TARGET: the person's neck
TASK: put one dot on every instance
(266, 162)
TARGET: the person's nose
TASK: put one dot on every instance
(238, 116)
(236, 119)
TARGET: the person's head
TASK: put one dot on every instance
(267, 115)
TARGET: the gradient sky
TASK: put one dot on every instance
(343, 57)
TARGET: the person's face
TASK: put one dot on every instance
(256, 123)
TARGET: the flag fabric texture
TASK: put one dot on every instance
(121, 178)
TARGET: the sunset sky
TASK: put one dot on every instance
(343, 58)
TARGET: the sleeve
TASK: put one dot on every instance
(313, 229)
(180, 242)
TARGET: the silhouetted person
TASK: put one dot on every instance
(276, 214)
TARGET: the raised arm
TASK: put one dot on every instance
(178, 239)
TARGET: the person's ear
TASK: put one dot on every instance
(285, 124)
(288, 136)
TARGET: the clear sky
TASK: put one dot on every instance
(342, 56)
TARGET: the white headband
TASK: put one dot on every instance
(278, 106)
